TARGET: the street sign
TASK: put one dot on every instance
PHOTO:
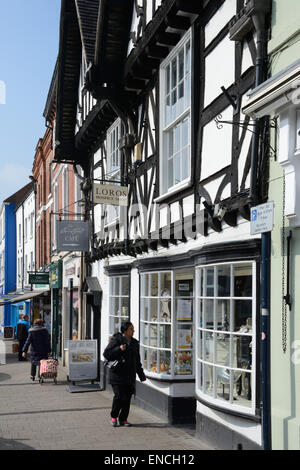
(262, 218)
(72, 235)
(39, 278)
(110, 194)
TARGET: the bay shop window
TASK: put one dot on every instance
(166, 324)
(200, 323)
(118, 302)
(225, 332)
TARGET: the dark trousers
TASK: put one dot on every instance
(121, 401)
(33, 370)
(21, 345)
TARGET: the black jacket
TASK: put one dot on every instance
(132, 365)
(39, 340)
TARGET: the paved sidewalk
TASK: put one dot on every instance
(48, 417)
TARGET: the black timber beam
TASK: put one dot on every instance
(189, 6)
(178, 22)
(169, 39)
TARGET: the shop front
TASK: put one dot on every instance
(197, 317)
(71, 301)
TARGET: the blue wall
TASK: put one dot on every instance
(10, 268)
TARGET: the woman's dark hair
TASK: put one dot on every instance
(125, 325)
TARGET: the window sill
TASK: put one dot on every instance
(177, 189)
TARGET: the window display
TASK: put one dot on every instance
(225, 304)
(167, 323)
(118, 302)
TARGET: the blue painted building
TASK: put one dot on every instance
(9, 314)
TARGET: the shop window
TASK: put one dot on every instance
(225, 335)
(118, 302)
(167, 323)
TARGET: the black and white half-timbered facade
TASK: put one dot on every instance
(149, 100)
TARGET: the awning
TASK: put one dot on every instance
(92, 284)
(15, 297)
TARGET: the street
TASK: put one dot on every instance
(48, 417)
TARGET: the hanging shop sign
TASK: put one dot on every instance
(55, 275)
(39, 278)
(110, 194)
(82, 359)
(72, 235)
(262, 218)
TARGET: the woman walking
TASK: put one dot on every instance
(123, 346)
(39, 340)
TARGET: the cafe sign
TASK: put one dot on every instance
(110, 194)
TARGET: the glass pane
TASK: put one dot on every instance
(125, 285)
(145, 333)
(187, 92)
(153, 361)
(200, 345)
(124, 308)
(223, 281)
(144, 356)
(244, 352)
(153, 336)
(242, 393)
(188, 57)
(168, 110)
(185, 132)
(165, 362)
(184, 309)
(185, 164)
(184, 337)
(114, 305)
(223, 315)
(145, 282)
(168, 80)
(200, 306)
(183, 363)
(242, 316)
(180, 99)
(153, 310)
(165, 310)
(223, 350)
(115, 286)
(170, 173)
(208, 380)
(154, 285)
(209, 347)
(174, 72)
(165, 336)
(177, 168)
(223, 383)
(208, 306)
(243, 280)
(184, 286)
(176, 137)
(165, 285)
(210, 282)
(181, 65)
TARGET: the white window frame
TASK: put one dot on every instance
(113, 172)
(118, 296)
(173, 323)
(213, 400)
(165, 129)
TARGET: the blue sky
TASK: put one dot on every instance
(29, 37)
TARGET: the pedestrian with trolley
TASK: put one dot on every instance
(39, 340)
(123, 352)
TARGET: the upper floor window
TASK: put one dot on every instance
(175, 80)
(113, 166)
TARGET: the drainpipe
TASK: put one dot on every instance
(259, 20)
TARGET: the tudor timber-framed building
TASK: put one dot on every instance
(150, 96)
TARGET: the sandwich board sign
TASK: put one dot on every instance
(262, 218)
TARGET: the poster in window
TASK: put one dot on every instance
(184, 309)
(184, 339)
